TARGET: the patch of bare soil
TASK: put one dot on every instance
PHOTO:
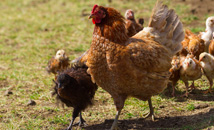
(3, 83)
(163, 122)
(167, 117)
(199, 8)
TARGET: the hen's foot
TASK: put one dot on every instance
(150, 115)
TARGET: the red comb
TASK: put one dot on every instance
(95, 6)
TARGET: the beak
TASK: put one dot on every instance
(200, 60)
(91, 16)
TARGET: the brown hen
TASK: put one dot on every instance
(132, 26)
(137, 66)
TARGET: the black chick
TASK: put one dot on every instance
(75, 89)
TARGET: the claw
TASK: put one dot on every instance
(81, 123)
(148, 115)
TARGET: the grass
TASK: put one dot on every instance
(31, 31)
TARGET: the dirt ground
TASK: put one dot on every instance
(199, 8)
(167, 119)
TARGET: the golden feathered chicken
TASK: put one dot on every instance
(190, 71)
(207, 63)
(137, 66)
(132, 26)
(58, 63)
(192, 44)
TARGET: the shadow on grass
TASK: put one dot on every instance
(198, 121)
(195, 94)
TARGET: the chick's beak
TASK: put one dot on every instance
(91, 16)
(200, 60)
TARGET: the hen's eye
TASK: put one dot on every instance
(190, 62)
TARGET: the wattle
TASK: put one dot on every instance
(96, 21)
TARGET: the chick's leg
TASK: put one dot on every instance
(173, 90)
(151, 112)
(81, 122)
(187, 85)
(173, 87)
(210, 88)
(75, 114)
(192, 85)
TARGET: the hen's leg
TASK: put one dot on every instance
(187, 85)
(75, 114)
(211, 84)
(81, 122)
(151, 110)
(114, 125)
(119, 102)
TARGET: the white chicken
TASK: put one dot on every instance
(190, 71)
(207, 63)
(207, 36)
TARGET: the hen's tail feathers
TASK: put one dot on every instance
(168, 29)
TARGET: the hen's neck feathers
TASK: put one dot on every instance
(112, 27)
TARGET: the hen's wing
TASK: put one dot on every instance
(150, 57)
(80, 61)
(152, 49)
(138, 27)
(130, 28)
